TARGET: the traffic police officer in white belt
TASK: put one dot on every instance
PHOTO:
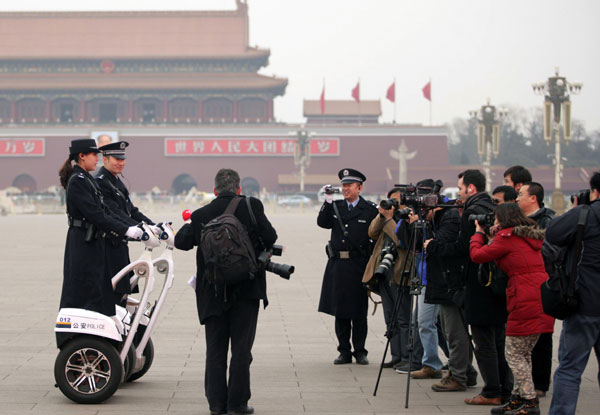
(343, 294)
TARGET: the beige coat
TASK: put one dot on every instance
(378, 228)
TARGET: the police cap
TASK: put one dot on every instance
(351, 176)
(83, 145)
(117, 150)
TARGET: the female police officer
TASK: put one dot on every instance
(116, 198)
(86, 280)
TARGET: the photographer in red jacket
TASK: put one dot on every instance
(516, 248)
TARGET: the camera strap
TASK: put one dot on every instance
(585, 209)
(254, 222)
(339, 218)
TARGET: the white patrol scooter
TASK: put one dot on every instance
(95, 349)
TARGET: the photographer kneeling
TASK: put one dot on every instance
(516, 249)
(383, 230)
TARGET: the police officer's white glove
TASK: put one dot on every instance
(134, 232)
(328, 197)
(156, 230)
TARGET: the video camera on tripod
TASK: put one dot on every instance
(416, 198)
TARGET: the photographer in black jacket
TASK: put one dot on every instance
(581, 330)
(485, 312)
(231, 318)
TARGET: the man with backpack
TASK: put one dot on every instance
(228, 299)
(581, 330)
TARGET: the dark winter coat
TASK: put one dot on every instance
(211, 301)
(517, 253)
(543, 217)
(116, 198)
(342, 293)
(446, 227)
(561, 232)
(86, 278)
(482, 306)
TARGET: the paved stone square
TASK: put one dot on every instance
(292, 372)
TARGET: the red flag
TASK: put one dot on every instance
(391, 92)
(323, 101)
(427, 91)
(356, 92)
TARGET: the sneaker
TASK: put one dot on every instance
(426, 372)
(448, 384)
(513, 403)
(403, 367)
(528, 407)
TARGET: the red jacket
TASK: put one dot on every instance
(517, 251)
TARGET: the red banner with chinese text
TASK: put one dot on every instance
(247, 147)
(22, 147)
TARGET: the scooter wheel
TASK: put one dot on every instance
(149, 355)
(88, 370)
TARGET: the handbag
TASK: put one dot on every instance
(559, 295)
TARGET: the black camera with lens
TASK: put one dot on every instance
(389, 204)
(329, 190)
(388, 256)
(421, 197)
(583, 197)
(264, 260)
(485, 220)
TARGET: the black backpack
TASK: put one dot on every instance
(228, 253)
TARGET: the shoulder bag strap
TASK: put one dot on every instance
(232, 206)
(254, 222)
(578, 242)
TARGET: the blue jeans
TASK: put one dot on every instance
(580, 333)
(428, 332)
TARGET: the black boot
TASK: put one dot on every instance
(512, 404)
(528, 407)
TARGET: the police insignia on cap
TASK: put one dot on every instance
(346, 173)
(122, 145)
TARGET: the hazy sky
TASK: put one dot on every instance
(471, 49)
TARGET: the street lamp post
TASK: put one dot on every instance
(302, 152)
(488, 137)
(556, 95)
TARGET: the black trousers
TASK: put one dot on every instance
(238, 326)
(541, 362)
(358, 328)
(489, 351)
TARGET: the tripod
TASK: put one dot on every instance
(412, 279)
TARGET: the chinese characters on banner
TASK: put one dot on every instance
(247, 147)
(22, 147)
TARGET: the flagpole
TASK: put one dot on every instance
(323, 115)
(359, 111)
(430, 104)
(394, 100)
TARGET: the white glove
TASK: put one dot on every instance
(156, 230)
(134, 232)
(328, 198)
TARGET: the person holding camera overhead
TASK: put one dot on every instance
(349, 248)
(516, 249)
(86, 278)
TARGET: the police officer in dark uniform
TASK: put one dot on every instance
(116, 198)
(343, 294)
(86, 280)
